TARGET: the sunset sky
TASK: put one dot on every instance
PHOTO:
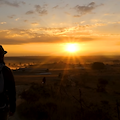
(44, 27)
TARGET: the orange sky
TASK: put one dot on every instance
(30, 28)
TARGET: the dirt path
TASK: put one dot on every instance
(19, 89)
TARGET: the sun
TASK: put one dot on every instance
(71, 47)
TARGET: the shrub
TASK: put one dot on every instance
(35, 93)
(44, 103)
(98, 66)
(101, 86)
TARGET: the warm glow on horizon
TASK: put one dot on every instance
(71, 47)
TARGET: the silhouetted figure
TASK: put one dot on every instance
(60, 75)
(44, 81)
(7, 89)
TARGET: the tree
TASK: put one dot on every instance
(98, 66)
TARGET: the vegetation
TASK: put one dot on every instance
(46, 103)
(101, 86)
(98, 66)
(72, 93)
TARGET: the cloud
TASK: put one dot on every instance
(82, 10)
(41, 10)
(9, 3)
(47, 39)
(11, 16)
(45, 5)
(23, 2)
(59, 7)
(29, 12)
(76, 16)
(22, 36)
(55, 7)
(17, 19)
(82, 22)
(29, 37)
(3, 23)
(35, 23)
(81, 33)
(67, 13)
(66, 5)
(111, 14)
(25, 20)
(10, 37)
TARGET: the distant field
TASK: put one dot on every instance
(95, 95)
(27, 79)
(71, 59)
(100, 89)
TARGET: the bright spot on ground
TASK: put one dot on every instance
(71, 47)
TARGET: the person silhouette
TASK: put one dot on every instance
(44, 80)
(8, 94)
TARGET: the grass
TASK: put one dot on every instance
(60, 99)
(54, 103)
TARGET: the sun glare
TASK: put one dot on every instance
(72, 47)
